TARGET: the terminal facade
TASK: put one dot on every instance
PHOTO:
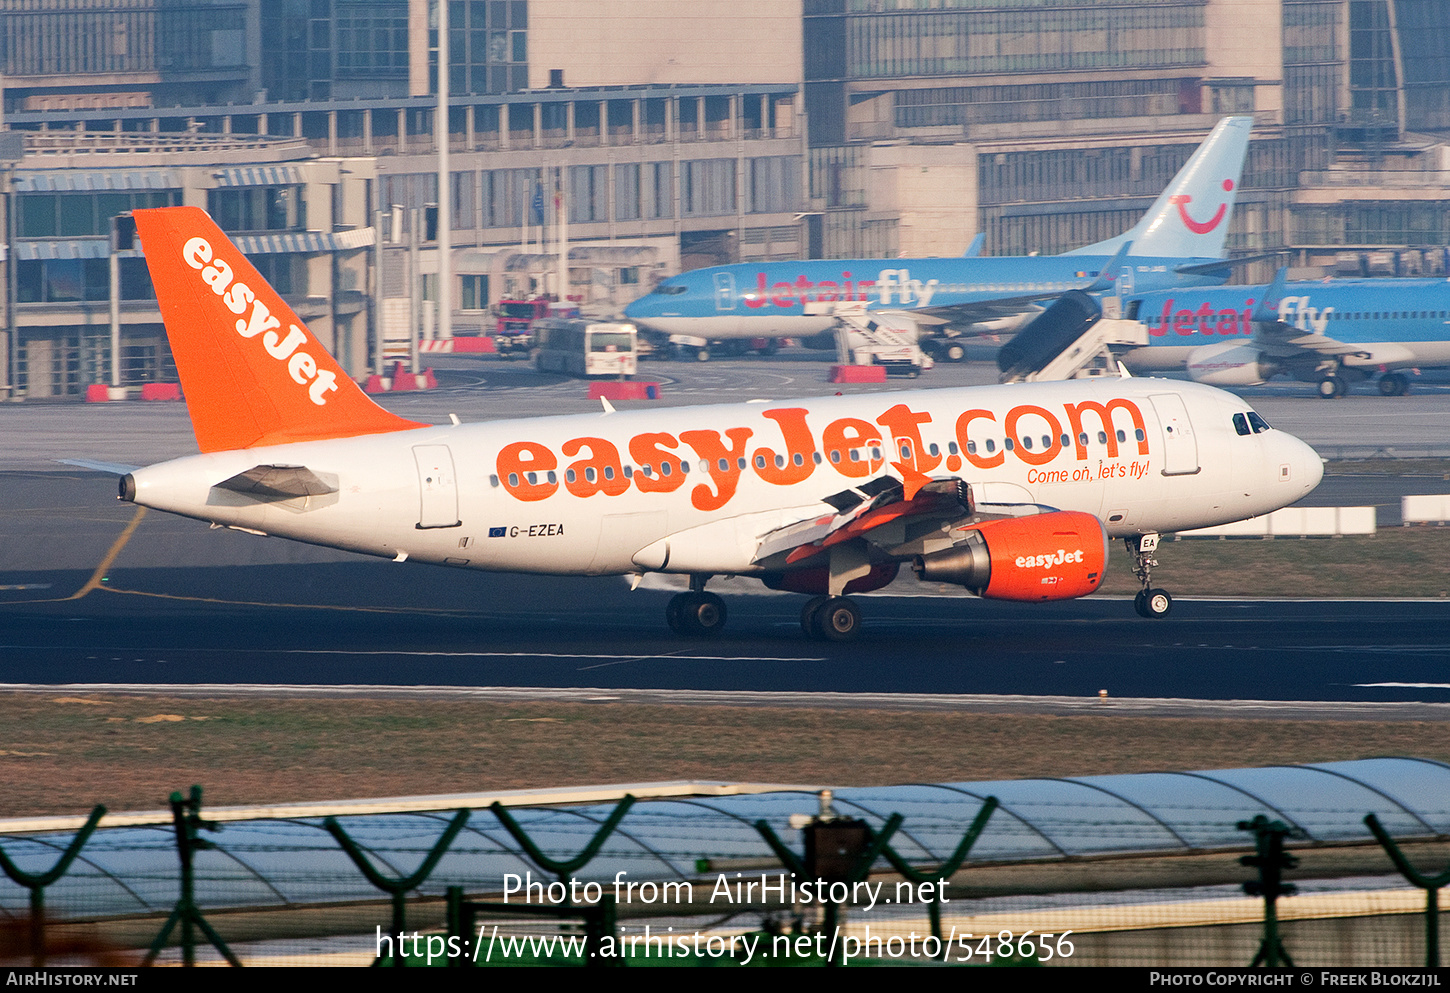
(656, 137)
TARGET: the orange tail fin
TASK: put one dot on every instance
(252, 373)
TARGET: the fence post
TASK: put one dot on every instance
(1430, 884)
(562, 869)
(1271, 860)
(856, 872)
(948, 868)
(37, 882)
(186, 819)
(396, 888)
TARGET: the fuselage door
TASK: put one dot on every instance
(438, 487)
(724, 291)
(1180, 447)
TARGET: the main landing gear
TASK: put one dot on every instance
(1394, 384)
(696, 613)
(831, 618)
(1149, 602)
(1332, 386)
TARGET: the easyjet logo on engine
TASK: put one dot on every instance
(1062, 557)
(716, 461)
(238, 296)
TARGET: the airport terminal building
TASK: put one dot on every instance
(652, 137)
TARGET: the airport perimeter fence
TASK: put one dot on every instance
(627, 884)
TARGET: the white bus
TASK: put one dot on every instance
(583, 348)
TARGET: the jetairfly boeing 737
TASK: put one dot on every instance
(1333, 332)
(1178, 242)
(1010, 492)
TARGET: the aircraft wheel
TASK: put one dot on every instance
(707, 614)
(955, 353)
(676, 612)
(838, 619)
(702, 355)
(1332, 386)
(1138, 604)
(1156, 603)
(1394, 384)
(808, 614)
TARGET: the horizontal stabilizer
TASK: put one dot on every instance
(114, 468)
(277, 482)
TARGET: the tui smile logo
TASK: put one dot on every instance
(1181, 200)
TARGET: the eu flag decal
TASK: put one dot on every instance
(497, 532)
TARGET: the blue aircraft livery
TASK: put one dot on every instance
(1178, 242)
(1332, 332)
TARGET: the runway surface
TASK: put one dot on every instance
(179, 604)
(380, 624)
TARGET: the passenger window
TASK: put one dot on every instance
(835, 456)
(1138, 434)
(971, 448)
(1006, 443)
(1102, 437)
(991, 446)
(1121, 435)
(589, 474)
(1082, 439)
(952, 447)
(1027, 442)
(533, 478)
(513, 479)
(1047, 441)
(724, 465)
(608, 472)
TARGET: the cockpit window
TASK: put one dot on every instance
(669, 289)
(1257, 423)
(1241, 424)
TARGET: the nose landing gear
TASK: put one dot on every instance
(1149, 602)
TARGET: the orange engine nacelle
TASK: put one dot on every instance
(1054, 556)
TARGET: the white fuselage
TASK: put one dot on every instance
(463, 494)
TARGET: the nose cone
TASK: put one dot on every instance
(1305, 466)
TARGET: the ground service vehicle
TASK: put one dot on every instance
(585, 348)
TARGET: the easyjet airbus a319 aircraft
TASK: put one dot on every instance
(1011, 492)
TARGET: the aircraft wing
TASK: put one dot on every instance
(900, 517)
(1284, 341)
(962, 315)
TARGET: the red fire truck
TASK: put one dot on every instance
(513, 335)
